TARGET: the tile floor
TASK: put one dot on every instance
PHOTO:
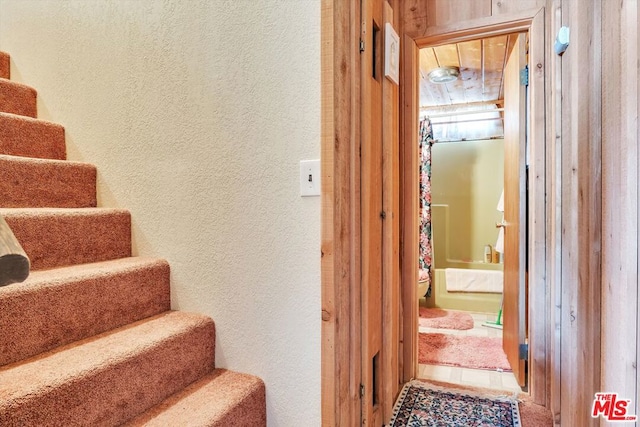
(465, 376)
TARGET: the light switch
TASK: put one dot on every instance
(310, 178)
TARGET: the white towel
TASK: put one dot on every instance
(499, 246)
(464, 280)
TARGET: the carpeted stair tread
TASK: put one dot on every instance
(89, 338)
(29, 137)
(5, 68)
(221, 399)
(62, 305)
(27, 182)
(18, 98)
(110, 378)
(56, 237)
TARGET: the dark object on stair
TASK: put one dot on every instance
(14, 264)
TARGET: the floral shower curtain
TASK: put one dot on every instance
(426, 248)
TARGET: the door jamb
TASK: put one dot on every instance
(539, 331)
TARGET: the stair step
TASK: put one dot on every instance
(26, 182)
(110, 378)
(59, 306)
(17, 98)
(5, 68)
(221, 399)
(29, 137)
(57, 237)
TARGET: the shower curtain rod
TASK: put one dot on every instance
(453, 122)
(439, 141)
(463, 105)
(464, 113)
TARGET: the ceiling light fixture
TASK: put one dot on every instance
(444, 74)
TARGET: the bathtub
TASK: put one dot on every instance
(482, 302)
(444, 257)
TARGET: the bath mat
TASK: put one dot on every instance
(421, 405)
(444, 319)
(463, 351)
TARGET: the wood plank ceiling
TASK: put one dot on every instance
(481, 63)
(453, 107)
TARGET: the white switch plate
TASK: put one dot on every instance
(310, 178)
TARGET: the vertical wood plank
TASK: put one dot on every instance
(414, 16)
(554, 220)
(391, 242)
(635, 14)
(409, 205)
(418, 15)
(581, 214)
(538, 211)
(340, 240)
(329, 382)
(510, 6)
(440, 12)
(620, 198)
(371, 209)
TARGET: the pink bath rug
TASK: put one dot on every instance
(445, 319)
(463, 351)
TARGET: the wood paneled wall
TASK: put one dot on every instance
(620, 215)
(592, 183)
(579, 286)
(361, 312)
(593, 219)
(418, 15)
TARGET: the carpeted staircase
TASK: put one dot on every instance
(89, 338)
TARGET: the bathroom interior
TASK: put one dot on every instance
(461, 190)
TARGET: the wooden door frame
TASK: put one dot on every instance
(539, 328)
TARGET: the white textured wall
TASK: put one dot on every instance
(197, 113)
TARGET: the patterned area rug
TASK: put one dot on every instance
(444, 319)
(464, 351)
(420, 405)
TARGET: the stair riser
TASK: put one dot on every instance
(4, 66)
(37, 183)
(58, 313)
(220, 399)
(108, 396)
(252, 411)
(25, 137)
(18, 99)
(60, 240)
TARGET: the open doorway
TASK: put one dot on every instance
(463, 172)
